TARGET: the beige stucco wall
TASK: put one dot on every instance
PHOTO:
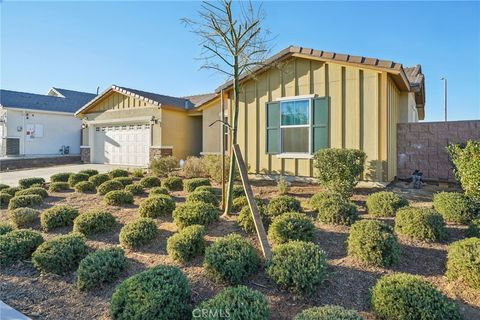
(211, 142)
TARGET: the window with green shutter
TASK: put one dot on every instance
(273, 128)
(320, 118)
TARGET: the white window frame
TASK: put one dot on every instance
(309, 126)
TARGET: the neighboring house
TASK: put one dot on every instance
(40, 125)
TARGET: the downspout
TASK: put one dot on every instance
(23, 132)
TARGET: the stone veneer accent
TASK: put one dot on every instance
(85, 154)
(158, 152)
(22, 163)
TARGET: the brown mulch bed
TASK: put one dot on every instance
(47, 296)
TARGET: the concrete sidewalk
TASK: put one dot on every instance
(8, 313)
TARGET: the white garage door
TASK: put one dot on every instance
(122, 144)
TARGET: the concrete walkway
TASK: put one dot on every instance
(11, 178)
(8, 313)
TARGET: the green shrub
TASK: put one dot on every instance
(190, 185)
(240, 202)
(89, 172)
(4, 199)
(156, 206)
(237, 191)
(118, 198)
(463, 261)
(283, 204)
(454, 207)
(5, 228)
(385, 203)
(84, 187)
(98, 179)
(474, 228)
(58, 217)
(283, 186)
(420, 223)
(60, 177)
(298, 266)
(187, 243)
(465, 159)
(108, 186)
(32, 190)
(23, 217)
(405, 296)
(115, 173)
(163, 166)
(3, 186)
(124, 180)
(194, 168)
(245, 219)
(18, 245)
(94, 221)
(334, 209)
(173, 183)
(231, 259)
(161, 292)
(238, 302)
(138, 233)
(328, 312)
(76, 178)
(203, 196)
(291, 226)
(373, 243)
(210, 189)
(28, 182)
(11, 191)
(158, 190)
(58, 186)
(191, 213)
(137, 173)
(135, 189)
(150, 182)
(31, 200)
(99, 267)
(339, 170)
(213, 167)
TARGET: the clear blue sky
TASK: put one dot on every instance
(82, 45)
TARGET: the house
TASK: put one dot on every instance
(40, 125)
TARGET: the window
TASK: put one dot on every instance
(295, 126)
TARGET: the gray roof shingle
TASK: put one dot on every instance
(181, 103)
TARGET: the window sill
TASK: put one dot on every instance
(294, 156)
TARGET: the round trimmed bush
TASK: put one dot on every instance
(190, 185)
(463, 261)
(99, 267)
(84, 187)
(60, 254)
(23, 217)
(150, 182)
(161, 292)
(173, 183)
(57, 217)
(191, 213)
(298, 266)
(5, 228)
(238, 203)
(373, 243)
(31, 200)
(135, 189)
(203, 196)
(156, 206)
(58, 186)
(454, 207)
(118, 198)
(238, 302)
(245, 219)
(385, 203)
(334, 209)
(60, 177)
(328, 312)
(187, 243)
(124, 180)
(158, 190)
(89, 172)
(237, 191)
(76, 178)
(98, 179)
(420, 223)
(18, 245)
(108, 186)
(319, 198)
(115, 173)
(11, 191)
(283, 204)
(291, 226)
(4, 199)
(29, 182)
(405, 296)
(138, 233)
(94, 221)
(231, 259)
(4, 186)
(210, 189)
(32, 190)
(474, 228)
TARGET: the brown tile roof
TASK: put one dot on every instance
(414, 75)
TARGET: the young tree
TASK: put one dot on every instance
(233, 43)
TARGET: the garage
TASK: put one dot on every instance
(126, 144)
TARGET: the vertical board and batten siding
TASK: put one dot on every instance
(118, 101)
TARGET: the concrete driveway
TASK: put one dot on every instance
(11, 178)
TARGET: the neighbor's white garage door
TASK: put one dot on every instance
(122, 144)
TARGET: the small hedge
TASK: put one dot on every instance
(4, 186)
(245, 219)
(23, 217)
(283, 204)
(298, 266)
(135, 189)
(373, 243)
(150, 182)
(94, 221)
(28, 182)
(405, 296)
(108, 186)
(385, 203)
(4, 199)
(158, 190)
(5, 228)
(58, 186)
(58, 217)
(60, 254)
(32, 190)
(238, 302)
(421, 224)
(191, 213)
(465, 157)
(334, 209)
(203, 196)
(99, 267)
(156, 206)
(31, 200)
(173, 183)
(328, 312)
(231, 259)
(161, 292)
(210, 189)
(190, 185)
(474, 228)
(237, 191)
(463, 261)
(115, 173)
(84, 187)
(76, 178)
(454, 207)
(138, 233)
(291, 226)
(98, 179)
(11, 191)
(187, 243)
(89, 172)
(124, 180)
(18, 245)
(239, 203)
(118, 198)
(60, 177)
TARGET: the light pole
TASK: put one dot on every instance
(445, 96)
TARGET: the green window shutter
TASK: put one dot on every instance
(320, 120)
(272, 145)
